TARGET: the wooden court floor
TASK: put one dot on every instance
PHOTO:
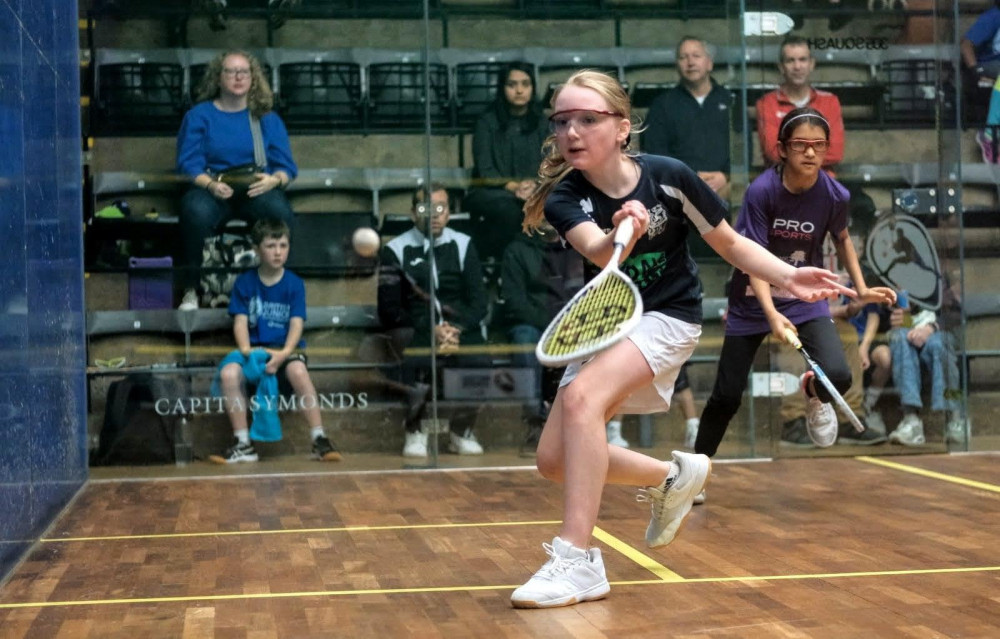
(832, 547)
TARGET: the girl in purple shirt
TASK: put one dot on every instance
(789, 210)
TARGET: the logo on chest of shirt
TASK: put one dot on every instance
(792, 229)
(587, 206)
(658, 218)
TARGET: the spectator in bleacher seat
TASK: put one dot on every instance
(538, 275)
(235, 150)
(506, 148)
(917, 341)
(413, 290)
(980, 47)
(796, 64)
(268, 306)
(690, 122)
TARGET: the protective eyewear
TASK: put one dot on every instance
(799, 145)
(579, 119)
(236, 73)
(432, 210)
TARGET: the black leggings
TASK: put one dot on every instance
(819, 337)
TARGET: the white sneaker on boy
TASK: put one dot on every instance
(570, 576)
(669, 505)
(614, 432)
(909, 432)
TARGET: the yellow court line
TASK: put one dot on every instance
(658, 569)
(929, 473)
(295, 531)
(445, 589)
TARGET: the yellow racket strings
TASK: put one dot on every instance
(594, 318)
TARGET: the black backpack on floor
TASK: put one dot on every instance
(132, 433)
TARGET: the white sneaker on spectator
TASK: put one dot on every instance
(465, 444)
(570, 576)
(190, 301)
(909, 432)
(691, 432)
(416, 444)
(955, 431)
(875, 422)
(669, 505)
(699, 499)
(614, 431)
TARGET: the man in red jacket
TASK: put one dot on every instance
(796, 65)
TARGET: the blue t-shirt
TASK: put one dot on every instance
(269, 309)
(215, 140)
(660, 263)
(792, 226)
(984, 34)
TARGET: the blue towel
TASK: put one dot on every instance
(266, 425)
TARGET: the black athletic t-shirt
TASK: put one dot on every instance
(660, 264)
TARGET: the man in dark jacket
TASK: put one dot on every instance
(416, 289)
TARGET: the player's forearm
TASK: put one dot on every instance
(756, 261)
(762, 290)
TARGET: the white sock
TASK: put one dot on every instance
(243, 435)
(694, 422)
(871, 397)
(672, 474)
(316, 431)
(614, 423)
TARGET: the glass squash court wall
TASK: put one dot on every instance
(380, 97)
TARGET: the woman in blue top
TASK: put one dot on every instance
(590, 183)
(216, 137)
(789, 210)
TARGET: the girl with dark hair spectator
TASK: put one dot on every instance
(218, 150)
(789, 209)
(506, 148)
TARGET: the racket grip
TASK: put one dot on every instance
(792, 338)
(623, 234)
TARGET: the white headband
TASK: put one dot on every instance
(803, 115)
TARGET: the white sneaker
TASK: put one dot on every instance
(190, 301)
(699, 499)
(465, 444)
(955, 431)
(416, 444)
(571, 575)
(821, 423)
(670, 505)
(691, 432)
(909, 432)
(875, 422)
(614, 430)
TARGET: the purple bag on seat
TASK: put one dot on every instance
(148, 288)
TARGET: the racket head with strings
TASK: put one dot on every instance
(838, 399)
(601, 313)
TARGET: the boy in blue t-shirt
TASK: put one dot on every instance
(268, 305)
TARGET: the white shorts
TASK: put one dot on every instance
(666, 343)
